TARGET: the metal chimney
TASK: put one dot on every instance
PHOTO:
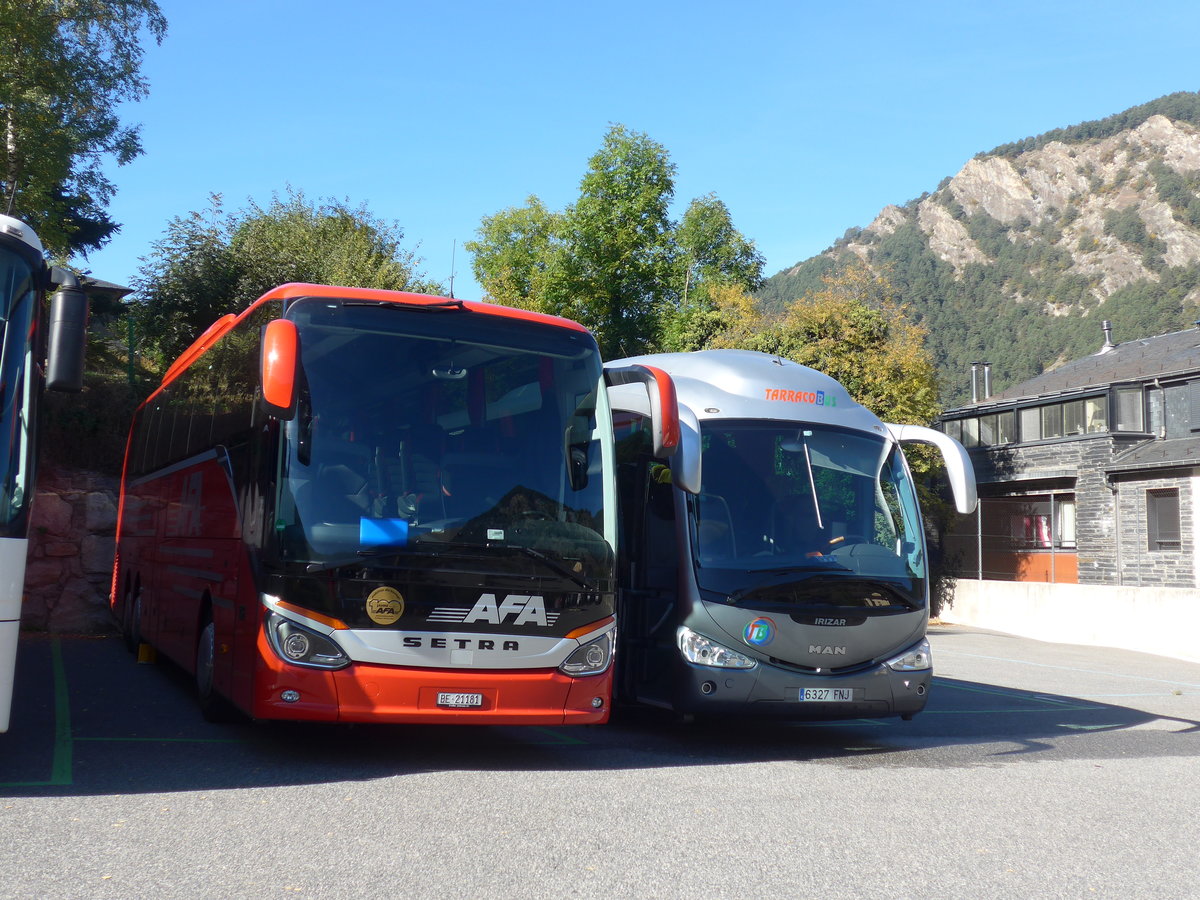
(987, 381)
(1108, 341)
(974, 382)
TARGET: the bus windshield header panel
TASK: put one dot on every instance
(425, 431)
(793, 503)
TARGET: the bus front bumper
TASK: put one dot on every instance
(364, 692)
(772, 691)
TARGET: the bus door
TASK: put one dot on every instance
(649, 565)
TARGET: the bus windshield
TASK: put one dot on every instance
(17, 310)
(779, 498)
(427, 431)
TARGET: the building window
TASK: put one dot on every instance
(1156, 407)
(1073, 417)
(1129, 409)
(1064, 527)
(1162, 519)
(1039, 522)
(1006, 427)
(1095, 410)
(1052, 421)
(1177, 412)
(970, 432)
(1031, 424)
(987, 431)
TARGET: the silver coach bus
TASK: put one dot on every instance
(777, 565)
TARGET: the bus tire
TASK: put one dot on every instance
(131, 621)
(213, 706)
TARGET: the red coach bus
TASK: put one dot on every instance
(371, 506)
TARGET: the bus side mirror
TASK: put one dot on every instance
(663, 402)
(68, 334)
(280, 346)
(958, 463)
(685, 465)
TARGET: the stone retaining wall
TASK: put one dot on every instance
(71, 545)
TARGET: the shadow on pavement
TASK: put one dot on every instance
(88, 720)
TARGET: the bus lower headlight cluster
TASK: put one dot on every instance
(302, 646)
(916, 658)
(696, 648)
(590, 659)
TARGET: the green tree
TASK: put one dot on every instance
(717, 267)
(188, 280)
(620, 239)
(854, 330)
(212, 262)
(519, 254)
(729, 317)
(65, 67)
(712, 251)
(329, 242)
(614, 260)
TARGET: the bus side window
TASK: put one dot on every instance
(160, 422)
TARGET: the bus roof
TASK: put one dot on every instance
(15, 228)
(298, 290)
(746, 384)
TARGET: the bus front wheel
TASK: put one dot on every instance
(131, 624)
(213, 706)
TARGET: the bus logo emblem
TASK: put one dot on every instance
(759, 632)
(514, 609)
(385, 605)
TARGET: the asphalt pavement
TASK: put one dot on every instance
(1038, 770)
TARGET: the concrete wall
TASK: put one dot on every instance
(1159, 620)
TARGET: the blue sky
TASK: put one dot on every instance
(804, 118)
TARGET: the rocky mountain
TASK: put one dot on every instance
(1018, 258)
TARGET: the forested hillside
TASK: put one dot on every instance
(1018, 258)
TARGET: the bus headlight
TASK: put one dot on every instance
(590, 659)
(916, 658)
(702, 651)
(301, 646)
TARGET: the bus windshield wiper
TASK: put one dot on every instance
(387, 304)
(562, 570)
(555, 566)
(436, 548)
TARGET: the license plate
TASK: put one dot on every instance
(459, 701)
(826, 695)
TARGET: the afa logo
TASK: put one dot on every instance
(385, 605)
(514, 609)
(759, 632)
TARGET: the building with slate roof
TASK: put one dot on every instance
(1088, 474)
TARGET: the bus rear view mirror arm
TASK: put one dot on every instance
(958, 464)
(664, 405)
